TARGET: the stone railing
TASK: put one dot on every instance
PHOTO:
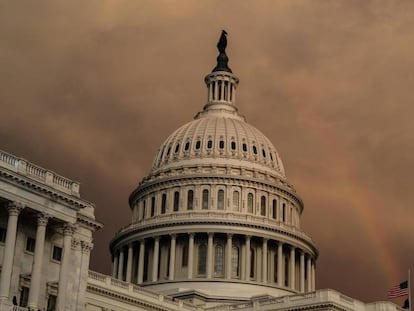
(130, 288)
(319, 297)
(37, 173)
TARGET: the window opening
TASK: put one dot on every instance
(263, 206)
(244, 147)
(209, 144)
(190, 199)
(57, 253)
(202, 256)
(221, 144)
(235, 261)
(198, 144)
(152, 206)
(176, 201)
(274, 209)
(250, 203)
(254, 150)
(205, 199)
(184, 257)
(177, 147)
(163, 203)
(187, 146)
(220, 199)
(219, 260)
(236, 200)
(233, 145)
(30, 244)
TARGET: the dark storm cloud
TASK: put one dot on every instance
(91, 90)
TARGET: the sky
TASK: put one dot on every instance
(91, 89)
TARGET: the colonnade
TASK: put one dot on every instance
(14, 209)
(215, 255)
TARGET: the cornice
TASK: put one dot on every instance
(43, 190)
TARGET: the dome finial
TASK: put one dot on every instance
(222, 58)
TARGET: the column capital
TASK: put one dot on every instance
(14, 208)
(75, 243)
(229, 235)
(248, 237)
(157, 238)
(173, 236)
(265, 240)
(68, 229)
(210, 234)
(86, 246)
(191, 234)
(42, 219)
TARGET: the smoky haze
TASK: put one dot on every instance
(91, 89)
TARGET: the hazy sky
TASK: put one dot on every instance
(90, 89)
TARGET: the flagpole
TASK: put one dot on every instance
(409, 288)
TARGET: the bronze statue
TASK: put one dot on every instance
(222, 58)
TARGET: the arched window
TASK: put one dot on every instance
(220, 199)
(152, 206)
(187, 146)
(205, 199)
(202, 256)
(210, 144)
(263, 205)
(252, 263)
(236, 200)
(163, 203)
(219, 260)
(190, 199)
(235, 262)
(250, 203)
(274, 209)
(198, 145)
(254, 149)
(177, 148)
(233, 145)
(275, 267)
(283, 212)
(244, 147)
(176, 201)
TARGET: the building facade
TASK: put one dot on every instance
(215, 226)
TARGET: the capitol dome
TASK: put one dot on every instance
(216, 218)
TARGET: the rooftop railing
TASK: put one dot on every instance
(37, 173)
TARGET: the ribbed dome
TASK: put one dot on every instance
(220, 135)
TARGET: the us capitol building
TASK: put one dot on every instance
(215, 226)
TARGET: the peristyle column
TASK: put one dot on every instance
(155, 256)
(280, 265)
(68, 230)
(228, 256)
(33, 300)
(302, 271)
(129, 263)
(308, 274)
(264, 261)
(209, 255)
(190, 254)
(172, 257)
(14, 210)
(121, 264)
(141, 261)
(292, 268)
(247, 256)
